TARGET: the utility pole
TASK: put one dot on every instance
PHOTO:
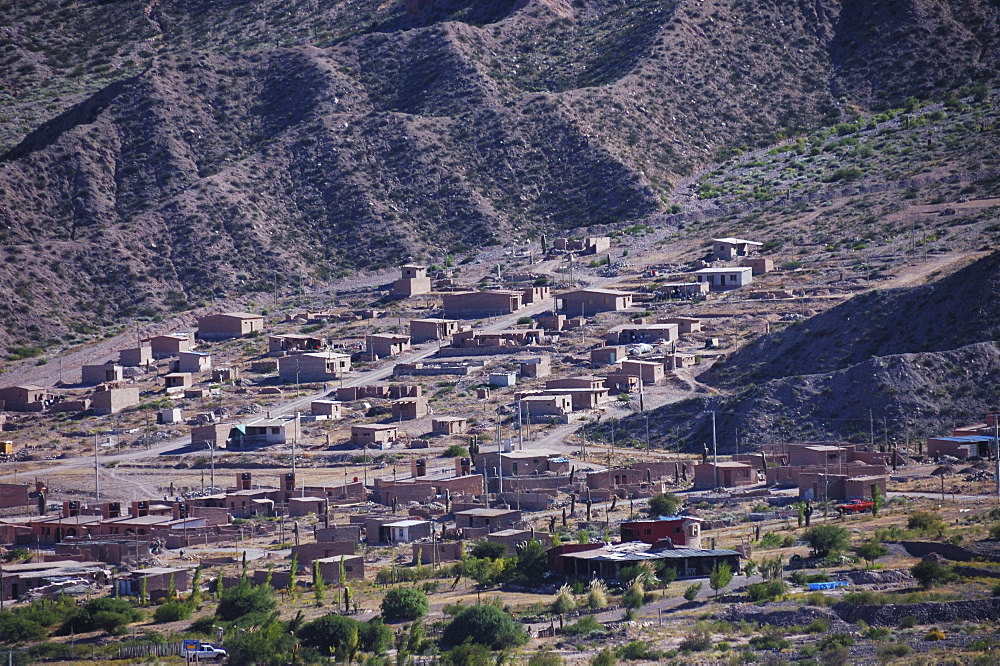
(520, 432)
(499, 455)
(97, 478)
(715, 451)
(871, 426)
(996, 426)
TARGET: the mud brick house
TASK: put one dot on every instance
(685, 325)
(609, 355)
(136, 356)
(425, 330)
(449, 425)
(590, 301)
(682, 290)
(535, 367)
(540, 408)
(408, 409)
(374, 436)
(730, 248)
(192, 362)
(19, 579)
(404, 531)
(531, 461)
(492, 519)
(379, 391)
(677, 531)
(651, 374)
(13, 495)
(961, 447)
(112, 398)
(721, 279)
(329, 567)
(629, 334)
(353, 491)
(730, 475)
(92, 375)
(555, 322)
(413, 280)
(329, 409)
(176, 382)
(758, 265)
(589, 245)
(25, 398)
(815, 484)
(291, 342)
(165, 346)
(594, 560)
(313, 367)
(622, 382)
(583, 398)
(227, 325)
(468, 304)
(383, 345)
(536, 294)
(212, 434)
(611, 478)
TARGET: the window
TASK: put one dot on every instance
(647, 531)
(732, 278)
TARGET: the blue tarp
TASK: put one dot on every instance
(826, 586)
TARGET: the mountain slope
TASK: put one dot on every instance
(243, 139)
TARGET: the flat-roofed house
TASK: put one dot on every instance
(383, 345)
(628, 334)
(730, 248)
(171, 344)
(449, 425)
(176, 382)
(377, 436)
(25, 398)
(313, 367)
(721, 279)
(469, 304)
(193, 362)
(589, 301)
(408, 409)
(112, 398)
(92, 375)
(648, 372)
(609, 355)
(413, 280)
(493, 519)
(544, 407)
(330, 409)
(685, 325)
(425, 330)
(730, 475)
(225, 325)
(292, 342)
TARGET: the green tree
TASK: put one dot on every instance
(319, 587)
(143, 592)
(16, 629)
(455, 451)
(634, 596)
(488, 550)
(826, 539)
(532, 563)
(171, 588)
(878, 499)
(691, 591)
(468, 655)
(721, 576)
(269, 643)
(111, 615)
(172, 611)
(486, 625)
(246, 599)
(870, 551)
(404, 603)
(925, 522)
(194, 599)
(664, 504)
(930, 573)
(604, 658)
(292, 572)
(332, 633)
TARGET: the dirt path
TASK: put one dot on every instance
(912, 275)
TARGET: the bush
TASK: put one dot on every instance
(404, 603)
(769, 642)
(877, 633)
(871, 551)
(488, 550)
(908, 622)
(698, 640)
(827, 539)
(584, 626)
(564, 601)
(333, 633)
(487, 625)
(172, 611)
(925, 522)
(691, 592)
(245, 599)
(765, 591)
(995, 532)
(818, 626)
(545, 657)
(833, 641)
(468, 655)
(934, 634)
(929, 573)
(664, 504)
(887, 653)
(604, 658)
(634, 596)
(15, 629)
(111, 615)
(455, 451)
(637, 650)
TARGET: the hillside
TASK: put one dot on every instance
(165, 156)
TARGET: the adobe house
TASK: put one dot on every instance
(382, 345)
(330, 409)
(225, 375)
(503, 379)
(290, 342)
(492, 519)
(413, 280)
(759, 265)
(649, 373)
(589, 245)
(405, 531)
(730, 248)
(609, 355)
(731, 475)
(214, 435)
(818, 454)
(227, 325)
(677, 531)
(683, 289)
(685, 325)
(622, 382)
(589, 301)
(112, 398)
(408, 409)
(536, 294)
(442, 551)
(510, 538)
(13, 495)
(516, 337)
(539, 408)
(135, 357)
(265, 431)
(628, 334)
(449, 425)
(374, 436)
(616, 477)
(24, 398)
(329, 567)
(165, 346)
(525, 463)
(535, 367)
(192, 362)
(554, 322)
(961, 447)
(176, 382)
(468, 304)
(425, 330)
(605, 561)
(169, 415)
(721, 279)
(92, 375)
(313, 367)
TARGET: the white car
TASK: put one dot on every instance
(209, 652)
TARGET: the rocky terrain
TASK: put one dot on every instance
(163, 156)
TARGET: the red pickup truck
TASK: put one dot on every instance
(855, 506)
